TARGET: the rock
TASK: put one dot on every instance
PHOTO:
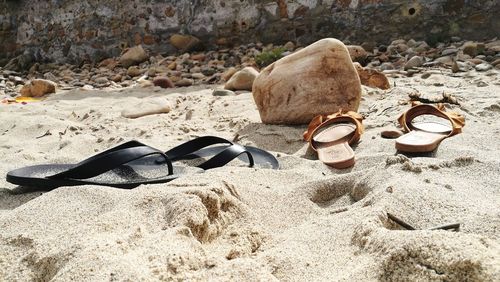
(483, 67)
(38, 88)
(414, 62)
(446, 60)
(495, 62)
(470, 48)
(455, 68)
(108, 63)
(476, 61)
(17, 80)
(134, 71)
(382, 48)
(184, 82)
(151, 106)
(198, 57)
(151, 72)
(198, 75)
(449, 51)
(372, 78)
(386, 66)
(242, 80)
(357, 53)
(163, 82)
(318, 79)
(229, 73)
(289, 46)
(184, 42)
(117, 78)
(223, 92)
(49, 76)
(101, 80)
(412, 43)
(133, 56)
(21, 62)
(422, 47)
(172, 66)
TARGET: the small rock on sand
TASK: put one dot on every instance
(223, 92)
(163, 82)
(150, 106)
(242, 80)
(38, 88)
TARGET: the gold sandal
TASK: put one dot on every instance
(331, 135)
(426, 136)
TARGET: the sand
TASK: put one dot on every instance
(304, 222)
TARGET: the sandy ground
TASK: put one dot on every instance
(304, 222)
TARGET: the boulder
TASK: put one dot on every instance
(133, 56)
(319, 79)
(38, 88)
(242, 80)
(372, 78)
(184, 42)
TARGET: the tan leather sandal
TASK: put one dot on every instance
(331, 135)
(425, 136)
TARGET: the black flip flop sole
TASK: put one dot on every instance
(126, 176)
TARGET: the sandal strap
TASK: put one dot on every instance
(227, 155)
(341, 116)
(457, 120)
(109, 160)
(194, 145)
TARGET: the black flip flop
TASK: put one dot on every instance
(221, 152)
(122, 166)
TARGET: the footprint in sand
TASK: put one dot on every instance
(150, 106)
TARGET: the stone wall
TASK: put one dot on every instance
(76, 31)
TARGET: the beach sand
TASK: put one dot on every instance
(303, 222)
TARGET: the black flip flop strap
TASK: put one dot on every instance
(108, 160)
(224, 157)
(194, 145)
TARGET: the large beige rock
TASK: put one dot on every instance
(242, 80)
(133, 56)
(319, 79)
(38, 88)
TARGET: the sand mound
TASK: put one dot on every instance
(305, 221)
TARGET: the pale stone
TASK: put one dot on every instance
(318, 79)
(242, 80)
(38, 88)
(133, 56)
(414, 62)
(184, 82)
(150, 106)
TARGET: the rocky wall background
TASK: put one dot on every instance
(76, 31)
